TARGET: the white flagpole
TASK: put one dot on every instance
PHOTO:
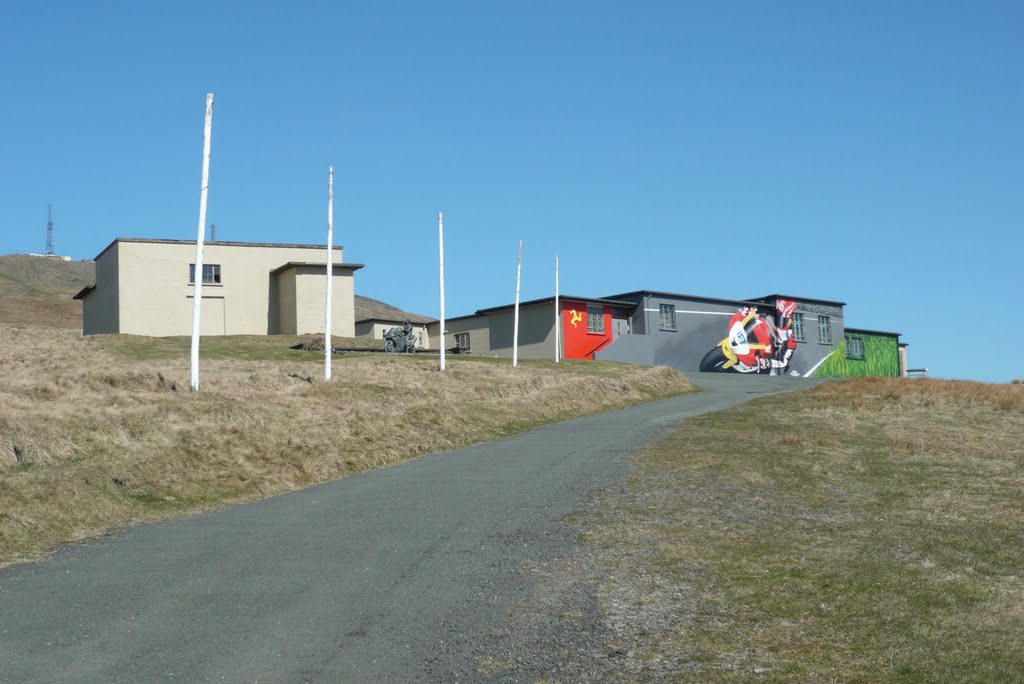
(440, 243)
(197, 293)
(558, 318)
(515, 325)
(330, 272)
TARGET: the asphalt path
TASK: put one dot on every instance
(392, 575)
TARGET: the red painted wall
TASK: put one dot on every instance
(577, 342)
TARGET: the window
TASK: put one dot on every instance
(211, 274)
(798, 327)
(667, 316)
(854, 348)
(462, 342)
(824, 330)
(595, 320)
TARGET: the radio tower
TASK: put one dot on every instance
(49, 230)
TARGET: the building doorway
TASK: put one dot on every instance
(620, 327)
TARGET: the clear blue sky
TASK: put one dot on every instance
(869, 152)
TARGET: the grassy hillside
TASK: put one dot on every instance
(864, 531)
(100, 432)
(38, 290)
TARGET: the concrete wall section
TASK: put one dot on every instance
(478, 328)
(311, 298)
(101, 308)
(536, 331)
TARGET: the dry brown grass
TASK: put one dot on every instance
(863, 531)
(38, 290)
(101, 432)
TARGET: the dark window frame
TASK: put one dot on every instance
(855, 351)
(213, 270)
(595, 320)
(461, 337)
(798, 327)
(825, 330)
(667, 317)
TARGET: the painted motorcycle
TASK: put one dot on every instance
(754, 344)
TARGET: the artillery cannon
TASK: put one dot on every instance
(400, 340)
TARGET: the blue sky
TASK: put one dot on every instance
(867, 152)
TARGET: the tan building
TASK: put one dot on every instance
(145, 287)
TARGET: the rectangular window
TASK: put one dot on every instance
(824, 330)
(595, 320)
(854, 348)
(462, 342)
(798, 327)
(667, 316)
(211, 274)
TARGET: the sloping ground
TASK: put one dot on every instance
(373, 308)
(38, 290)
(101, 431)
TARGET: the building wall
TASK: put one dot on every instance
(881, 357)
(100, 308)
(310, 300)
(478, 328)
(284, 287)
(702, 325)
(577, 341)
(536, 332)
(142, 288)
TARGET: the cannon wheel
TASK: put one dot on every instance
(389, 346)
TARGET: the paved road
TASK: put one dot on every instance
(386, 576)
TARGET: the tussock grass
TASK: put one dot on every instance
(864, 531)
(102, 432)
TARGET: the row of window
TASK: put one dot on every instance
(824, 329)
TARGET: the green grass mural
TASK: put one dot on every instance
(881, 358)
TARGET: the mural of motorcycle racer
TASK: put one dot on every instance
(756, 343)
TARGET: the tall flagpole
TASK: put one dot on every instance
(515, 325)
(440, 246)
(330, 272)
(197, 276)
(558, 321)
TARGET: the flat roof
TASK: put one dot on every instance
(84, 291)
(696, 298)
(802, 299)
(164, 241)
(543, 300)
(871, 332)
(293, 264)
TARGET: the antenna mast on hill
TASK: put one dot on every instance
(49, 230)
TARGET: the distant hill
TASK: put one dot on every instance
(37, 290)
(372, 308)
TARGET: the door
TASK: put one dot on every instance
(620, 326)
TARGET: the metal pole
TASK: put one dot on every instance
(197, 293)
(515, 325)
(440, 243)
(330, 272)
(558, 318)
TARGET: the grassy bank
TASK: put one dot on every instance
(862, 531)
(97, 433)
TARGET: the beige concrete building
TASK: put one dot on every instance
(145, 287)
